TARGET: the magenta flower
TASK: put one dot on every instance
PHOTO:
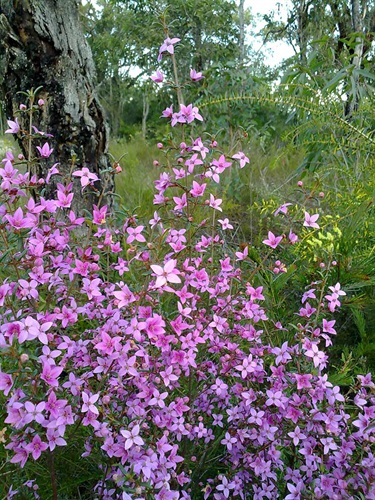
(18, 221)
(168, 45)
(14, 127)
(6, 383)
(310, 220)
(283, 209)
(165, 274)
(50, 374)
(158, 77)
(198, 189)
(36, 447)
(45, 151)
(215, 203)
(135, 234)
(132, 437)
(195, 75)
(225, 224)
(86, 176)
(242, 158)
(272, 240)
(89, 403)
(99, 214)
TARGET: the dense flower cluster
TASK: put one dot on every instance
(156, 346)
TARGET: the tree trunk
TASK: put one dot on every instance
(42, 44)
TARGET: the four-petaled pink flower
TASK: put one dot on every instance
(166, 273)
(310, 220)
(215, 203)
(243, 159)
(89, 403)
(86, 176)
(18, 221)
(272, 240)
(135, 234)
(168, 46)
(132, 437)
(36, 447)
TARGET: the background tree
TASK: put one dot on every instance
(42, 44)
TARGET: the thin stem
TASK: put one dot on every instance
(51, 460)
(176, 81)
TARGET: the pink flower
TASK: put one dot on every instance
(282, 209)
(132, 437)
(18, 221)
(310, 220)
(215, 203)
(88, 403)
(36, 447)
(99, 214)
(135, 234)
(272, 240)
(6, 383)
(14, 127)
(180, 202)
(195, 76)
(293, 238)
(45, 151)
(50, 374)
(198, 189)
(158, 77)
(243, 159)
(225, 224)
(86, 176)
(166, 273)
(168, 46)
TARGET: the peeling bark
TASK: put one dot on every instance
(42, 44)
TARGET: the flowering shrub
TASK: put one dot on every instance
(155, 349)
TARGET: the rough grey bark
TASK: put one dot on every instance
(42, 44)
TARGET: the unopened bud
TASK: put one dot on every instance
(21, 157)
(23, 107)
(321, 194)
(299, 183)
(41, 102)
(24, 358)
(159, 145)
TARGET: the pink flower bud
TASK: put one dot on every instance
(23, 107)
(155, 163)
(21, 157)
(24, 358)
(334, 263)
(299, 183)
(118, 169)
(41, 102)
(322, 265)
(321, 194)
(159, 145)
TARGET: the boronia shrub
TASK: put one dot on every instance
(150, 351)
